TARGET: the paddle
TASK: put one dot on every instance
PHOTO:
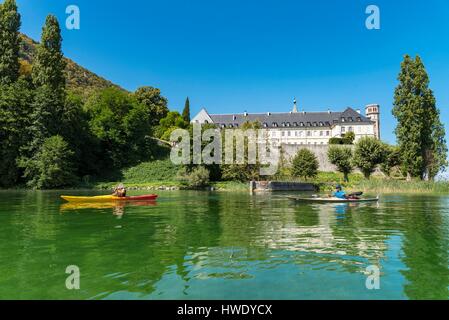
(358, 193)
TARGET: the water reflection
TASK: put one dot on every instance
(118, 207)
(220, 245)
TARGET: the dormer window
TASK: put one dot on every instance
(288, 124)
(309, 124)
(223, 125)
(295, 124)
(275, 124)
(230, 125)
(350, 119)
(321, 124)
(343, 119)
(301, 124)
(359, 119)
(265, 125)
(283, 124)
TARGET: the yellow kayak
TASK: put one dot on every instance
(109, 198)
(78, 205)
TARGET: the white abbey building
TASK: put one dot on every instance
(301, 127)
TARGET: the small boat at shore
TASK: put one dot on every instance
(332, 199)
(109, 198)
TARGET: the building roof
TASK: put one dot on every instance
(292, 119)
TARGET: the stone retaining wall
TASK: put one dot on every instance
(281, 186)
(320, 151)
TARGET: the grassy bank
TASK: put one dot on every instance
(162, 175)
(400, 186)
(174, 185)
(379, 184)
(159, 175)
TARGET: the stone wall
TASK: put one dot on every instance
(280, 186)
(290, 150)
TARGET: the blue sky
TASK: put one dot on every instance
(231, 56)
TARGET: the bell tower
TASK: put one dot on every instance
(372, 112)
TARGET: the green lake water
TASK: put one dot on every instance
(200, 245)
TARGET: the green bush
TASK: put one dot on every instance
(341, 157)
(198, 177)
(305, 164)
(369, 152)
(347, 138)
(51, 166)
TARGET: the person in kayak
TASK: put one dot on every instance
(339, 192)
(120, 191)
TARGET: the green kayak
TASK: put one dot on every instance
(332, 200)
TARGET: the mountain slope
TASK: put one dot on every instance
(79, 79)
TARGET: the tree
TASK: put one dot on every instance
(392, 159)
(437, 155)
(347, 138)
(171, 122)
(15, 101)
(49, 65)
(49, 78)
(46, 116)
(341, 157)
(51, 166)
(249, 169)
(419, 131)
(186, 111)
(305, 164)
(9, 42)
(76, 131)
(369, 152)
(155, 103)
(120, 124)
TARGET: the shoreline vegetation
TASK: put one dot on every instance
(51, 137)
(324, 181)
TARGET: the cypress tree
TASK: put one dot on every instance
(419, 132)
(186, 111)
(49, 78)
(48, 68)
(9, 42)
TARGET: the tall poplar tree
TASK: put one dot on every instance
(49, 78)
(9, 42)
(186, 111)
(419, 132)
(49, 65)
